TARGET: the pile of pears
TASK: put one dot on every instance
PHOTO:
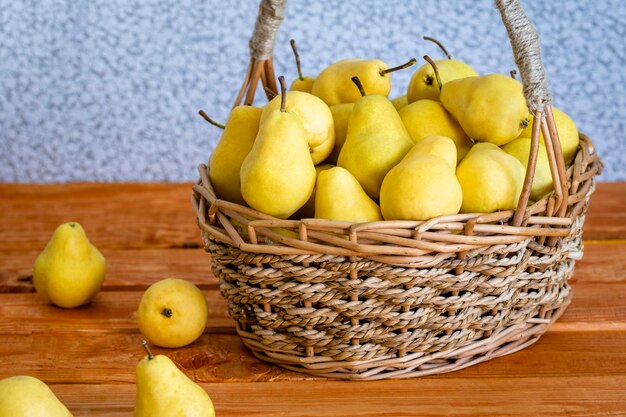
(336, 147)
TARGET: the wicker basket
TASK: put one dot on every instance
(400, 299)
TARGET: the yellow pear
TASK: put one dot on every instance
(278, 175)
(376, 141)
(236, 141)
(542, 181)
(399, 102)
(308, 209)
(341, 115)
(172, 313)
(490, 178)
(490, 108)
(334, 85)
(27, 396)
(424, 118)
(316, 118)
(70, 270)
(568, 134)
(440, 146)
(163, 390)
(340, 197)
(304, 84)
(423, 84)
(301, 83)
(423, 184)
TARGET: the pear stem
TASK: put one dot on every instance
(208, 119)
(167, 312)
(439, 44)
(283, 92)
(432, 64)
(271, 94)
(145, 345)
(399, 67)
(359, 85)
(297, 55)
(513, 74)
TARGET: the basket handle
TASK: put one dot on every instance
(526, 51)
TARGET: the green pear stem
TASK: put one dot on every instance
(297, 55)
(270, 93)
(283, 92)
(432, 64)
(439, 44)
(513, 74)
(359, 85)
(412, 61)
(145, 345)
(208, 119)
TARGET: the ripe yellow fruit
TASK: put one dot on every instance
(172, 313)
(567, 130)
(70, 270)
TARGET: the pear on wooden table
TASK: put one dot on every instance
(27, 396)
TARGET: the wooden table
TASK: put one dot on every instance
(148, 232)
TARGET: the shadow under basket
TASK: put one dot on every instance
(395, 299)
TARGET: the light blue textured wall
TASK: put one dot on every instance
(109, 90)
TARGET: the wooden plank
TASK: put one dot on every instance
(430, 396)
(139, 215)
(114, 215)
(100, 343)
(138, 269)
(127, 269)
(606, 218)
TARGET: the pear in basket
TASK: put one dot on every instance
(568, 134)
(236, 141)
(341, 114)
(376, 141)
(426, 117)
(399, 102)
(424, 85)
(316, 119)
(490, 108)
(340, 197)
(308, 209)
(301, 83)
(278, 175)
(334, 85)
(490, 178)
(542, 180)
(423, 184)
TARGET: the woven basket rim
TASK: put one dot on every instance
(392, 241)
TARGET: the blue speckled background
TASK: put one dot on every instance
(109, 90)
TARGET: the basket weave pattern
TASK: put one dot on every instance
(395, 299)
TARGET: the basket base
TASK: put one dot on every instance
(503, 342)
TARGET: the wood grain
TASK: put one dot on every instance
(606, 219)
(69, 357)
(127, 269)
(160, 215)
(431, 396)
(113, 215)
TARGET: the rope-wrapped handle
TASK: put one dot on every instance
(526, 51)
